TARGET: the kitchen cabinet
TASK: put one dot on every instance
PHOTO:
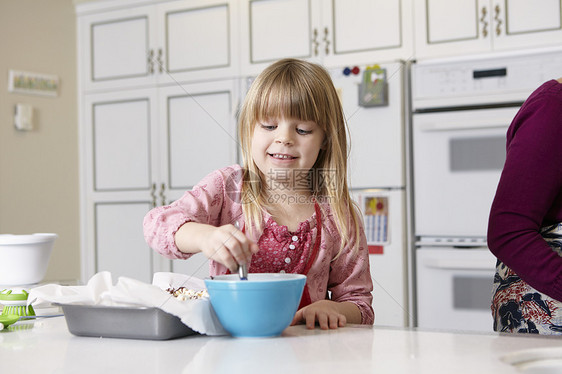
(143, 148)
(158, 84)
(328, 32)
(163, 43)
(118, 140)
(445, 27)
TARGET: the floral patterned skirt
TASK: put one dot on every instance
(518, 307)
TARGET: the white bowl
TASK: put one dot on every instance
(24, 258)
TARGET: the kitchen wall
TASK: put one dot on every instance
(39, 168)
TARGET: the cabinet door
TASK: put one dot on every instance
(366, 31)
(275, 29)
(446, 27)
(521, 23)
(121, 145)
(116, 48)
(119, 242)
(199, 132)
(120, 138)
(119, 170)
(198, 40)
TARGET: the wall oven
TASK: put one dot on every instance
(458, 157)
(454, 288)
(461, 109)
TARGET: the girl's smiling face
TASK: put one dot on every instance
(282, 145)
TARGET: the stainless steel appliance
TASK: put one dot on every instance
(461, 111)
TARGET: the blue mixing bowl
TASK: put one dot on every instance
(264, 305)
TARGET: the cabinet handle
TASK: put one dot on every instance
(315, 41)
(150, 61)
(160, 61)
(326, 40)
(153, 194)
(162, 195)
(498, 20)
(484, 21)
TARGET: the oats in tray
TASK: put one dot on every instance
(183, 293)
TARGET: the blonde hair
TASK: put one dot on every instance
(301, 90)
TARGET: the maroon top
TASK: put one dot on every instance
(529, 193)
(283, 251)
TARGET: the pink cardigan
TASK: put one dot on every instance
(215, 201)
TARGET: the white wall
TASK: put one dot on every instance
(39, 169)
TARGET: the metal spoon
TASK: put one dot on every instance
(242, 268)
(243, 272)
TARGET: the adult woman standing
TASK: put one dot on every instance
(525, 225)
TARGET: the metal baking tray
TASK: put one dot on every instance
(123, 322)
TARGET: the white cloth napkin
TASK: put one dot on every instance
(197, 314)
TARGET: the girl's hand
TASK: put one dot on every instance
(228, 246)
(224, 244)
(326, 312)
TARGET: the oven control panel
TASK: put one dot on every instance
(473, 81)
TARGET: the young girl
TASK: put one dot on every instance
(290, 200)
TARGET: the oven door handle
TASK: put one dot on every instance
(465, 125)
(451, 264)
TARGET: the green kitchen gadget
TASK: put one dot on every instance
(15, 303)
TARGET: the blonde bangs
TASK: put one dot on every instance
(286, 93)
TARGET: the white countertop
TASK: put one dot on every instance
(46, 346)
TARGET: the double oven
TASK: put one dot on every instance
(461, 109)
